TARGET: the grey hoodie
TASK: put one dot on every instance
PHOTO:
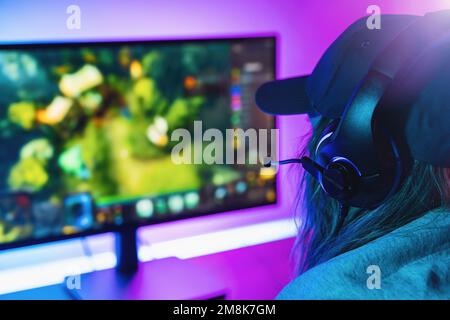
(412, 262)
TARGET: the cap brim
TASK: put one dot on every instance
(284, 97)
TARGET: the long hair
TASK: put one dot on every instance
(319, 238)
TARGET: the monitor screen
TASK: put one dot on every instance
(86, 133)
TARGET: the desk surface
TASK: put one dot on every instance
(255, 272)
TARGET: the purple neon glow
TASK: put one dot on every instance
(305, 28)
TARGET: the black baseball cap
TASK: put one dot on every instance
(425, 123)
(344, 64)
(327, 90)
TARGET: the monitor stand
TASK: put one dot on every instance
(162, 279)
(127, 251)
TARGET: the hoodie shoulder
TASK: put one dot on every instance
(408, 263)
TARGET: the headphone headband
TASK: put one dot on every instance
(379, 159)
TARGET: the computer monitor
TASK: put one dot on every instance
(85, 133)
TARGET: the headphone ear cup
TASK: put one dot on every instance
(340, 180)
(325, 137)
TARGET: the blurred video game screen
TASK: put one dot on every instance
(85, 131)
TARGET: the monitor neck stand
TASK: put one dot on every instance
(126, 251)
(161, 279)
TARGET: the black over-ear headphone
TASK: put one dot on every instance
(358, 160)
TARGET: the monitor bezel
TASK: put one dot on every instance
(117, 228)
